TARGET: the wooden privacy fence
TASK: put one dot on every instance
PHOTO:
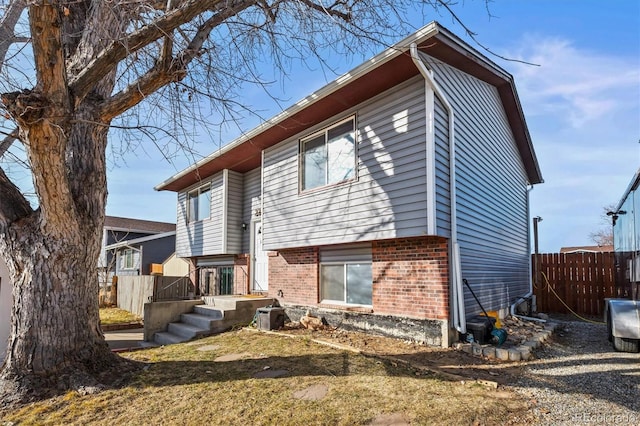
(136, 290)
(581, 280)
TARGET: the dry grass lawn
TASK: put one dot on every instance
(111, 316)
(188, 384)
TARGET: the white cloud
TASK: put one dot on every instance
(579, 85)
(582, 108)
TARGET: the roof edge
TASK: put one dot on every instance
(386, 55)
(139, 240)
(635, 182)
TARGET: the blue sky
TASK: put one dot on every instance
(582, 107)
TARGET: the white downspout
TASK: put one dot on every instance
(457, 295)
(512, 308)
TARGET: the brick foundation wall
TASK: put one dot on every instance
(241, 274)
(293, 273)
(411, 277)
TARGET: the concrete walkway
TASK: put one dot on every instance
(122, 340)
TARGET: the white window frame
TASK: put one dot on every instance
(325, 131)
(128, 254)
(344, 276)
(197, 193)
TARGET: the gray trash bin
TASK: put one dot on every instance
(270, 318)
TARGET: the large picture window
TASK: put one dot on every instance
(349, 283)
(329, 156)
(199, 203)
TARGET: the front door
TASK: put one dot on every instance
(260, 260)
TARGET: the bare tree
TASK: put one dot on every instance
(604, 235)
(95, 65)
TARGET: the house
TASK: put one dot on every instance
(626, 239)
(371, 199)
(140, 255)
(118, 230)
(5, 308)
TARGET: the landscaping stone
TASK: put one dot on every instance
(515, 355)
(489, 352)
(502, 354)
(392, 419)
(233, 357)
(476, 349)
(312, 393)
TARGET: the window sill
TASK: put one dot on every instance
(366, 309)
(311, 191)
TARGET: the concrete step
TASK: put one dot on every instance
(220, 314)
(187, 331)
(210, 311)
(199, 320)
(166, 338)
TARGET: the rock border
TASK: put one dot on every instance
(523, 352)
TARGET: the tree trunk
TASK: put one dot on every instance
(56, 343)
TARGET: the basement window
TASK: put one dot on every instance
(329, 156)
(349, 283)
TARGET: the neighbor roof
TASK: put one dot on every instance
(635, 183)
(382, 72)
(587, 249)
(131, 243)
(137, 225)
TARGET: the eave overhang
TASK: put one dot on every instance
(382, 72)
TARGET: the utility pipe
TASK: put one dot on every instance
(459, 320)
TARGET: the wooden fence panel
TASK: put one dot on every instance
(581, 280)
(172, 288)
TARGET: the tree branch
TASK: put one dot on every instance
(7, 141)
(7, 25)
(329, 10)
(13, 205)
(107, 60)
(160, 75)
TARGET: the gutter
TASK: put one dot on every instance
(457, 291)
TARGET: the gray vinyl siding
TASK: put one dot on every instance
(360, 252)
(235, 189)
(443, 182)
(388, 198)
(251, 202)
(203, 237)
(491, 186)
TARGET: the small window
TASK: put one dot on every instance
(349, 283)
(199, 204)
(329, 156)
(128, 259)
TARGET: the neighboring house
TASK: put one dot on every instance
(136, 256)
(5, 308)
(370, 200)
(626, 238)
(587, 249)
(119, 229)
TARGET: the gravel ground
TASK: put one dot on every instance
(578, 379)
